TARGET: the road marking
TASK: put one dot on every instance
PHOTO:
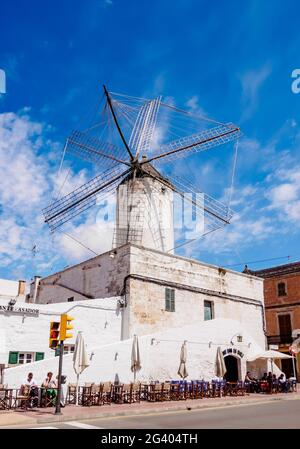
(43, 427)
(82, 425)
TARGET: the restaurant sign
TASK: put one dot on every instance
(19, 310)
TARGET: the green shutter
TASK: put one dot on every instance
(172, 300)
(13, 358)
(39, 356)
(168, 299)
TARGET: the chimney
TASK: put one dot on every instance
(21, 288)
(35, 287)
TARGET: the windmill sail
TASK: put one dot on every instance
(92, 149)
(69, 206)
(144, 126)
(197, 142)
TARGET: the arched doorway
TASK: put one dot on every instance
(232, 369)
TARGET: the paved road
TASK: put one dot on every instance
(271, 415)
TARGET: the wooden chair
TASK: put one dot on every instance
(5, 397)
(135, 392)
(22, 398)
(71, 395)
(105, 396)
(155, 392)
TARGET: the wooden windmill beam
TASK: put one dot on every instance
(116, 122)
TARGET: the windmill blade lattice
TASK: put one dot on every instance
(135, 127)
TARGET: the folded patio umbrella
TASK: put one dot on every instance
(135, 356)
(80, 359)
(182, 371)
(220, 363)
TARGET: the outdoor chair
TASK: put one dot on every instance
(136, 388)
(5, 397)
(105, 396)
(71, 395)
(155, 392)
(23, 398)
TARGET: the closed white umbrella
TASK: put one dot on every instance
(220, 363)
(80, 359)
(135, 356)
(182, 371)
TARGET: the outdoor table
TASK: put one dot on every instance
(6, 398)
(264, 386)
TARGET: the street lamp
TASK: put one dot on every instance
(239, 338)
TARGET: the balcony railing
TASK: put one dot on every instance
(279, 339)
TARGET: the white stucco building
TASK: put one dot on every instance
(162, 298)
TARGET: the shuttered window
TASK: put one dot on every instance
(13, 358)
(285, 325)
(39, 356)
(170, 300)
(281, 289)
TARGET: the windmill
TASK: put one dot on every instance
(139, 147)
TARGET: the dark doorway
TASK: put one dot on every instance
(232, 371)
(287, 367)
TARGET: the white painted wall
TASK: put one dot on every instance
(99, 319)
(160, 361)
(8, 288)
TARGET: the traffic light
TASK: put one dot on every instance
(65, 326)
(54, 334)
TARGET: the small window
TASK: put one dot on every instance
(71, 299)
(25, 357)
(208, 310)
(281, 288)
(170, 299)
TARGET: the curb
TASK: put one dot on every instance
(62, 418)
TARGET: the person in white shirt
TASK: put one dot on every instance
(31, 383)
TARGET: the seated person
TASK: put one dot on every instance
(264, 378)
(50, 386)
(254, 386)
(284, 385)
(33, 388)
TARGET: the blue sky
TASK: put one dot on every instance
(233, 60)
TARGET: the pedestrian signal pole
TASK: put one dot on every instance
(64, 327)
(60, 363)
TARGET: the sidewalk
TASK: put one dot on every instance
(72, 412)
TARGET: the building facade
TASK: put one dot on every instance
(282, 308)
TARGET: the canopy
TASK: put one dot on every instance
(270, 354)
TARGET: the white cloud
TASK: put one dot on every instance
(251, 82)
(194, 106)
(28, 174)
